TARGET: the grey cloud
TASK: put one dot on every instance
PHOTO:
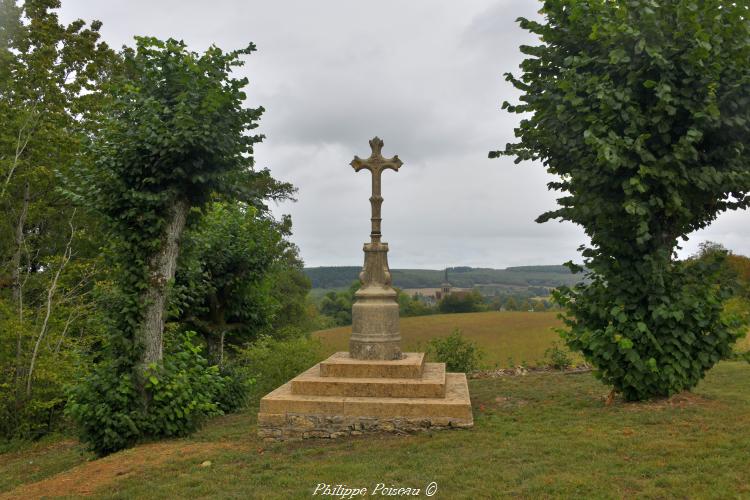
(425, 76)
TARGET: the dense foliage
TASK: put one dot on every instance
(462, 303)
(642, 110)
(110, 164)
(458, 353)
(238, 277)
(49, 260)
(337, 306)
(173, 137)
(271, 362)
(182, 392)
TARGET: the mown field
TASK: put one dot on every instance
(544, 435)
(505, 337)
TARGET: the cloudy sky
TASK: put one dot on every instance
(426, 77)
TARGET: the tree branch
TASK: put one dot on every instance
(50, 295)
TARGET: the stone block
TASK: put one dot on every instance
(341, 364)
(430, 385)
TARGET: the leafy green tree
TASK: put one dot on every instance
(412, 306)
(642, 110)
(290, 289)
(49, 74)
(173, 136)
(338, 305)
(235, 260)
(462, 303)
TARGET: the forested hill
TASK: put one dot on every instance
(552, 276)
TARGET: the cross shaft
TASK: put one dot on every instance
(376, 164)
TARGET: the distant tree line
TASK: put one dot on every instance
(465, 277)
(335, 307)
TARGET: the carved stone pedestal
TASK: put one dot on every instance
(343, 396)
(375, 324)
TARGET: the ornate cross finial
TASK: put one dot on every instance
(376, 164)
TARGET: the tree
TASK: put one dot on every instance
(642, 111)
(412, 306)
(174, 136)
(511, 304)
(338, 305)
(49, 76)
(462, 303)
(235, 258)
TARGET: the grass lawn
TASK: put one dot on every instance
(504, 336)
(536, 436)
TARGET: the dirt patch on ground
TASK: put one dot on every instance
(86, 478)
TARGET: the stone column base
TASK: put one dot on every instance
(375, 350)
(344, 396)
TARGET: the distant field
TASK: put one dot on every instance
(522, 336)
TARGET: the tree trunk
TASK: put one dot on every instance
(16, 277)
(215, 345)
(215, 342)
(221, 349)
(162, 268)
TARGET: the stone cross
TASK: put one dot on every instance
(375, 322)
(376, 164)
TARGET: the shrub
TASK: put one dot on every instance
(458, 354)
(235, 392)
(180, 395)
(558, 357)
(272, 362)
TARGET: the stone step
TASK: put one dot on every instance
(341, 364)
(430, 385)
(453, 407)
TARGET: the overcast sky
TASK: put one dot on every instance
(423, 75)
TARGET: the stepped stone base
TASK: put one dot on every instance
(343, 396)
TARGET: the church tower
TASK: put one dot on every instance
(445, 288)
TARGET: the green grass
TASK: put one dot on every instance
(29, 462)
(503, 336)
(537, 436)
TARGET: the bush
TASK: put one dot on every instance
(558, 357)
(235, 392)
(652, 345)
(181, 394)
(271, 362)
(458, 354)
